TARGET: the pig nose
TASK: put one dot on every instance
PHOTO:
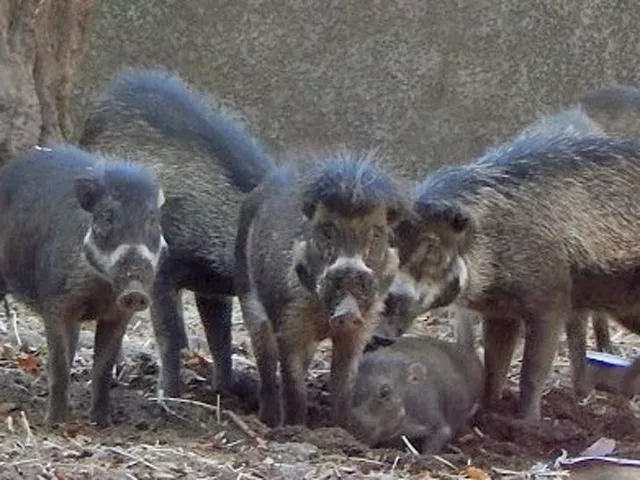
(134, 299)
(346, 313)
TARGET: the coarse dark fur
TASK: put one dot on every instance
(293, 231)
(532, 231)
(207, 163)
(49, 199)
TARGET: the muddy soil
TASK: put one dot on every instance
(205, 436)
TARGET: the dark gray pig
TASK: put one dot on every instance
(207, 163)
(314, 262)
(80, 239)
(420, 387)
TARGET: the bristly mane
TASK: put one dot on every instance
(162, 100)
(527, 159)
(351, 185)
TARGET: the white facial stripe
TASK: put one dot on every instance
(351, 262)
(393, 261)
(463, 273)
(144, 252)
(429, 294)
(355, 262)
(160, 197)
(108, 260)
(163, 243)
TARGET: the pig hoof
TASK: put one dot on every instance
(270, 417)
(169, 388)
(529, 415)
(223, 385)
(55, 417)
(101, 419)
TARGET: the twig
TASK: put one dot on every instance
(218, 408)
(232, 416)
(134, 457)
(10, 424)
(411, 448)
(395, 464)
(25, 424)
(14, 324)
(245, 428)
(444, 461)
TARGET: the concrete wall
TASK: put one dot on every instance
(427, 81)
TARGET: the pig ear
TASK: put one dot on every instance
(450, 214)
(89, 191)
(416, 372)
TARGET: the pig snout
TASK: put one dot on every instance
(348, 290)
(134, 298)
(133, 280)
(346, 312)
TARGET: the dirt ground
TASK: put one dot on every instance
(193, 439)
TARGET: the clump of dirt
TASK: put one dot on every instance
(203, 435)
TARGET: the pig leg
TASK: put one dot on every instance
(168, 326)
(577, 346)
(265, 351)
(107, 343)
(630, 382)
(215, 313)
(600, 324)
(500, 338)
(62, 338)
(295, 354)
(346, 353)
(541, 344)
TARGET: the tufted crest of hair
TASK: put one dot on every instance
(530, 159)
(163, 101)
(128, 182)
(351, 185)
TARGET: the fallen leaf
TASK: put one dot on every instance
(29, 363)
(195, 360)
(73, 430)
(475, 473)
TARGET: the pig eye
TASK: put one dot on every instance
(327, 233)
(385, 392)
(154, 221)
(104, 222)
(378, 234)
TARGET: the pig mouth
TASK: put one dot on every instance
(346, 314)
(443, 296)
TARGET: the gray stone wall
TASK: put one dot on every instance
(427, 82)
